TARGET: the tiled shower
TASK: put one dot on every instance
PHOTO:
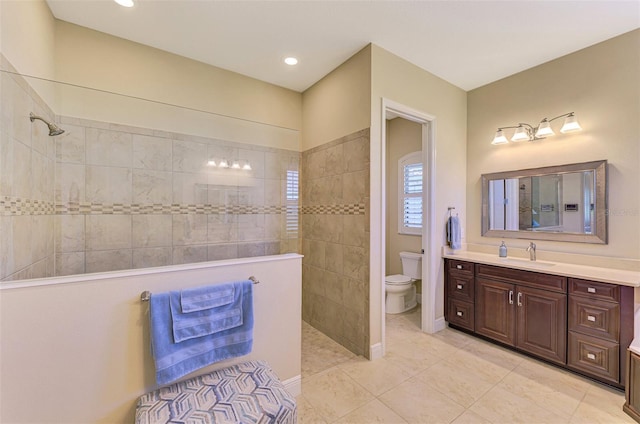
(107, 197)
(104, 197)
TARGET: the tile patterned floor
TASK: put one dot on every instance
(448, 377)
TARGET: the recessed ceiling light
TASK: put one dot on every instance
(291, 61)
(125, 3)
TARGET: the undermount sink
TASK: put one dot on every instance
(535, 264)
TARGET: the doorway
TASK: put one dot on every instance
(431, 256)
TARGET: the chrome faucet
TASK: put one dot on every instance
(532, 251)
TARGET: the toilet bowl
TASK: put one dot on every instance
(400, 289)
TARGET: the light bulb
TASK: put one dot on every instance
(499, 138)
(235, 165)
(544, 129)
(570, 124)
(247, 166)
(223, 164)
(211, 162)
(521, 134)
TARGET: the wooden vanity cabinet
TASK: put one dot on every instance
(582, 325)
(632, 392)
(459, 292)
(510, 311)
(600, 329)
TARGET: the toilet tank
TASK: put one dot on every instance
(411, 264)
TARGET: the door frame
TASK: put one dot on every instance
(431, 256)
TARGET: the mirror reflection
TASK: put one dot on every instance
(560, 200)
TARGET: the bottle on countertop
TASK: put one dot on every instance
(502, 251)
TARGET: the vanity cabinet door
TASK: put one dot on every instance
(495, 311)
(542, 323)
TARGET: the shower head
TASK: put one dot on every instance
(53, 128)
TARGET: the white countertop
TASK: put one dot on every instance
(605, 275)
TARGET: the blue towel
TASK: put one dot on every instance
(453, 232)
(175, 360)
(225, 315)
(200, 298)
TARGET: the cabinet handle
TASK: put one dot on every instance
(591, 289)
(591, 318)
(459, 313)
(591, 356)
(459, 286)
(510, 297)
(519, 299)
(458, 266)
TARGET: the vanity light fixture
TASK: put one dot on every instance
(526, 132)
(224, 164)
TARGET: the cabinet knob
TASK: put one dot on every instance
(591, 289)
(591, 318)
(459, 313)
(591, 356)
(459, 286)
(459, 266)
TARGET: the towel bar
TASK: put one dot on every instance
(146, 295)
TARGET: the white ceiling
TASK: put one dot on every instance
(468, 43)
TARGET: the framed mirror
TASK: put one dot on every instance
(560, 203)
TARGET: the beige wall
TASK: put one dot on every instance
(601, 85)
(93, 59)
(398, 80)
(27, 41)
(339, 103)
(79, 352)
(403, 137)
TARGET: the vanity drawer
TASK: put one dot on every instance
(527, 278)
(594, 289)
(594, 356)
(594, 317)
(461, 314)
(460, 266)
(461, 286)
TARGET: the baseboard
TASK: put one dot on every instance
(375, 351)
(439, 324)
(294, 385)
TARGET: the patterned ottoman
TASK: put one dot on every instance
(245, 393)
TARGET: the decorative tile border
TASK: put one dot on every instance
(349, 209)
(10, 206)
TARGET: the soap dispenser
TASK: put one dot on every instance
(502, 251)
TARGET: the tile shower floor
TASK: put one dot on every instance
(449, 377)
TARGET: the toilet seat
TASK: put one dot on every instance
(397, 280)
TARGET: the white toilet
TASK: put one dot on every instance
(400, 289)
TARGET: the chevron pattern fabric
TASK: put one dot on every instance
(245, 393)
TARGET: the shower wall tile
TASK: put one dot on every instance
(222, 228)
(106, 184)
(251, 227)
(6, 246)
(22, 170)
(151, 257)
(108, 148)
(249, 250)
(152, 187)
(189, 156)
(69, 233)
(335, 239)
(151, 230)
(108, 232)
(190, 254)
(17, 109)
(41, 238)
(70, 183)
(22, 239)
(189, 229)
(108, 260)
(152, 153)
(70, 147)
(70, 263)
(190, 188)
(6, 164)
(222, 251)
